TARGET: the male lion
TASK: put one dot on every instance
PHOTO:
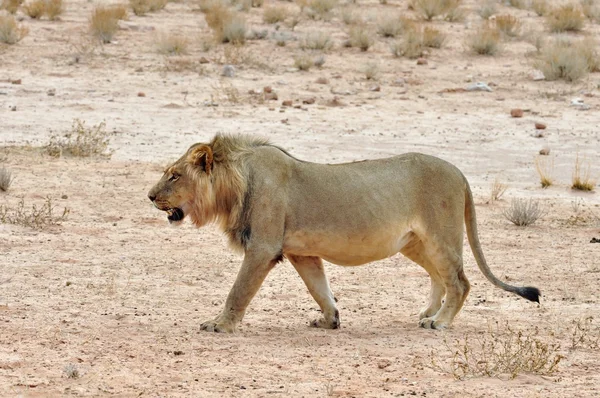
(272, 205)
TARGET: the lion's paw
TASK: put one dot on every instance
(323, 323)
(427, 313)
(218, 326)
(431, 323)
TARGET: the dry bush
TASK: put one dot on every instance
(455, 13)
(411, 45)
(498, 189)
(485, 40)
(156, 5)
(81, 141)
(508, 25)
(316, 40)
(140, 7)
(103, 24)
(372, 71)
(544, 168)
(565, 18)
(54, 8)
(520, 4)
(500, 352)
(487, 9)
(433, 37)
(567, 59)
(11, 5)
(320, 9)
(172, 44)
(350, 16)
(591, 9)
(390, 25)
(361, 37)
(540, 7)
(429, 9)
(10, 31)
(523, 212)
(36, 218)
(579, 181)
(303, 62)
(585, 334)
(588, 49)
(35, 9)
(6, 179)
(227, 25)
(118, 11)
(275, 13)
(72, 371)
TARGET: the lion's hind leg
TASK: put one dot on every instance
(313, 274)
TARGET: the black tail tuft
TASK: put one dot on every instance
(530, 293)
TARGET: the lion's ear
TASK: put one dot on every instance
(202, 156)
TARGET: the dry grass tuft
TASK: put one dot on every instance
(172, 44)
(10, 31)
(361, 37)
(11, 6)
(544, 168)
(118, 11)
(485, 41)
(54, 8)
(429, 9)
(227, 25)
(350, 16)
(565, 18)
(455, 13)
(372, 71)
(540, 7)
(411, 45)
(316, 40)
(72, 371)
(320, 9)
(523, 212)
(81, 141)
(36, 218)
(6, 179)
(487, 9)
(500, 352)
(303, 62)
(104, 24)
(390, 25)
(567, 59)
(275, 13)
(157, 5)
(433, 37)
(579, 181)
(591, 9)
(508, 25)
(520, 4)
(585, 334)
(140, 7)
(498, 189)
(35, 9)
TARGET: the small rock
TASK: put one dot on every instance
(271, 96)
(64, 197)
(400, 82)
(203, 60)
(13, 108)
(537, 75)
(141, 94)
(309, 101)
(384, 363)
(228, 71)
(51, 92)
(322, 80)
(287, 103)
(540, 126)
(140, 69)
(421, 61)
(479, 86)
(545, 151)
(17, 81)
(578, 103)
(267, 89)
(375, 88)
(595, 240)
(539, 134)
(516, 112)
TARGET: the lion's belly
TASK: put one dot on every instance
(356, 249)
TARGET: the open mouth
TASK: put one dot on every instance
(175, 214)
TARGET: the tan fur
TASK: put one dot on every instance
(272, 205)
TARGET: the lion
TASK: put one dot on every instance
(272, 206)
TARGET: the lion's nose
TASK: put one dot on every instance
(151, 197)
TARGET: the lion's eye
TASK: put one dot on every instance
(174, 177)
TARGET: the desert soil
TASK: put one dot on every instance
(117, 294)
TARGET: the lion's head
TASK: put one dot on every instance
(186, 187)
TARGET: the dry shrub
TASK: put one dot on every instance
(321, 9)
(455, 13)
(487, 9)
(11, 5)
(591, 9)
(104, 24)
(588, 48)
(372, 71)
(139, 7)
(411, 45)
(585, 334)
(350, 16)
(485, 40)
(508, 25)
(520, 4)
(433, 37)
(10, 31)
(390, 25)
(227, 25)
(566, 59)
(36, 218)
(565, 18)
(361, 37)
(171, 44)
(523, 212)
(275, 13)
(544, 168)
(157, 5)
(54, 8)
(303, 62)
(316, 40)
(429, 9)
(498, 189)
(540, 7)
(118, 11)
(35, 9)
(6, 179)
(500, 352)
(582, 182)
(81, 141)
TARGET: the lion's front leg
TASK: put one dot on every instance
(249, 279)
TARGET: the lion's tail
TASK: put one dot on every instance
(530, 293)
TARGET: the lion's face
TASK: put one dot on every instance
(177, 191)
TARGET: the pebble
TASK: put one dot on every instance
(537, 75)
(141, 94)
(17, 81)
(228, 71)
(287, 103)
(322, 80)
(271, 96)
(540, 126)
(309, 101)
(516, 112)
(203, 60)
(545, 151)
(267, 89)
(51, 92)
(479, 86)
(422, 61)
(578, 103)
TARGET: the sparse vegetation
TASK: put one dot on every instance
(455, 13)
(591, 9)
(429, 9)
(565, 18)
(104, 24)
(567, 59)
(227, 25)
(10, 31)
(81, 141)
(585, 334)
(484, 41)
(172, 44)
(35, 9)
(390, 25)
(498, 189)
(582, 182)
(275, 13)
(433, 38)
(508, 25)
(350, 16)
(487, 9)
(139, 7)
(11, 6)
(6, 179)
(523, 212)
(72, 371)
(361, 37)
(372, 71)
(157, 5)
(544, 168)
(118, 11)
(54, 8)
(540, 7)
(520, 4)
(320, 9)
(411, 45)
(36, 217)
(316, 40)
(303, 62)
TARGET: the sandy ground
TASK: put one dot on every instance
(119, 295)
